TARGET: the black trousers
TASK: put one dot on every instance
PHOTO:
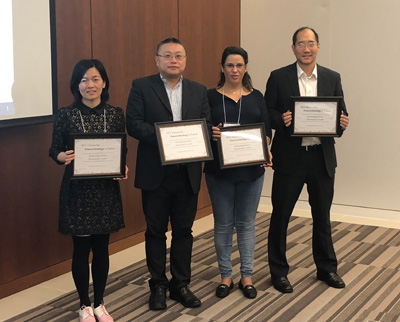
(286, 189)
(173, 201)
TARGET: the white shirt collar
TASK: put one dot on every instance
(165, 81)
(301, 72)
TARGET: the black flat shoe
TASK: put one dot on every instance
(249, 291)
(185, 296)
(282, 284)
(223, 290)
(332, 279)
(157, 299)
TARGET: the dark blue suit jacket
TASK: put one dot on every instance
(147, 104)
(281, 85)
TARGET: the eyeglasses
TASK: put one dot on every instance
(170, 57)
(232, 66)
(302, 45)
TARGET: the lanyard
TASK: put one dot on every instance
(240, 105)
(83, 125)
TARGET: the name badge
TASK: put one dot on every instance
(228, 124)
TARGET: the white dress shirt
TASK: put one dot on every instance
(308, 87)
(175, 98)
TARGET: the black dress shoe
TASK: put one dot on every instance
(158, 299)
(332, 279)
(185, 296)
(223, 290)
(282, 284)
(249, 291)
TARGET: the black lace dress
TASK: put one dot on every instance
(87, 206)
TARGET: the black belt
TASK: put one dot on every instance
(174, 167)
(311, 148)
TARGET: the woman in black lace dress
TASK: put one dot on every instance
(90, 209)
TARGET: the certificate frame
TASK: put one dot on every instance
(250, 134)
(104, 150)
(182, 142)
(322, 114)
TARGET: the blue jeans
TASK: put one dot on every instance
(234, 205)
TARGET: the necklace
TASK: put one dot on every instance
(104, 118)
(232, 91)
(240, 105)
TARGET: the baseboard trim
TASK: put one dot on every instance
(48, 273)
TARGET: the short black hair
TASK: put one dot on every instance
(294, 39)
(232, 50)
(80, 70)
(170, 40)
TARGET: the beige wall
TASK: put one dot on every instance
(361, 41)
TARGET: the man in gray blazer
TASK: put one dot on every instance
(302, 160)
(169, 193)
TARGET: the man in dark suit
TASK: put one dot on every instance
(169, 193)
(302, 160)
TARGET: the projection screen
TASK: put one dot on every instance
(27, 62)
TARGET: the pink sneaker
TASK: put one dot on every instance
(102, 315)
(86, 314)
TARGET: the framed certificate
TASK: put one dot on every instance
(183, 141)
(98, 155)
(243, 145)
(316, 115)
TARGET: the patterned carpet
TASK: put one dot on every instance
(369, 260)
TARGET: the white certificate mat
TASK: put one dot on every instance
(243, 145)
(97, 156)
(316, 116)
(183, 142)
